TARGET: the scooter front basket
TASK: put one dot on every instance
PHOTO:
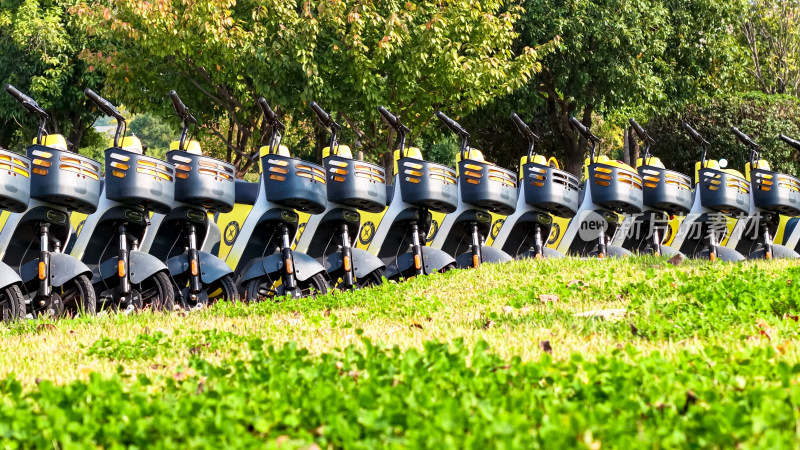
(488, 186)
(615, 188)
(776, 192)
(203, 181)
(356, 183)
(666, 190)
(64, 178)
(139, 180)
(550, 189)
(724, 192)
(294, 183)
(428, 185)
(15, 190)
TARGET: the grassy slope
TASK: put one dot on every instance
(706, 354)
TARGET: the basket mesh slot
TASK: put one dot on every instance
(16, 165)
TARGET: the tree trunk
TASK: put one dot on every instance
(387, 158)
(633, 146)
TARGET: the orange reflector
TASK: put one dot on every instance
(538, 256)
(347, 264)
(768, 255)
(417, 262)
(712, 256)
(121, 268)
(601, 255)
(476, 261)
(194, 267)
(42, 270)
(289, 266)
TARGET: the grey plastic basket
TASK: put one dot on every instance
(294, 183)
(775, 192)
(550, 189)
(15, 190)
(139, 180)
(356, 183)
(615, 188)
(666, 190)
(488, 186)
(724, 192)
(428, 185)
(64, 178)
(203, 181)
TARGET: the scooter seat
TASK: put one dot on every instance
(245, 192)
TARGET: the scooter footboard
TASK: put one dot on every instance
(364, 263)
(305, 267)
(211, 267)
(63, 268)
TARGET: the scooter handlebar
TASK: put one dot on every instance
(794, 143)
(269, 114)
(390, 118)
(582, 129)
(180, 108)
(27, 102)
(639, 130)
(104, 105)
(324, 117)
(743, 138)
(452, 124)
(523, 127)
(694, 134)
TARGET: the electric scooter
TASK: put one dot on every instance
(61, 181)
(611, 189)
(398, 236)
(791, 233)
(719, 194)
(666, 193)
(544, 190)
(771, 194)
(15, 193)
(203, 185)
(123, 277)
(327, 237)
(265, 266)
(482, 188)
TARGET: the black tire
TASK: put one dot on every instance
(12, 304)
(157, 292)
(374, 278)
(78, 297)
(223, 289)
(261, 288)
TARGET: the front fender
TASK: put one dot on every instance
(63, 268)
(305, 267)
(489, 255)
(211, 267)
(364, 262)
(8, 276)
(143, 266)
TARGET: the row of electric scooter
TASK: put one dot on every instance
(143, 232)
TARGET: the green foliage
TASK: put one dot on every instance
(413, 57)
(153, 131)
(762, 117)
(771, 32)
(40, 44)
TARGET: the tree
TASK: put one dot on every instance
(772, 33)
(39, 48)
(633, 57)
(153, 131)
(350, 56)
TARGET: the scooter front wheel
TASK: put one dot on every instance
(77, 297)
(374, 278)
(157, 293)
(262, 288)
(223, 289)
(12, 304)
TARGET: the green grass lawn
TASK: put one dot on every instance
(512, 355)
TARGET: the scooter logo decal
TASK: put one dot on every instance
(498, 224)
(432, 233)
(592, 224)
(367, 232)
(231, 231)
(555, 231)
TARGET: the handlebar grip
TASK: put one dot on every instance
(792, 142)
(269, 114)
(323, 116)
(452, 124)
(518, 120)
(639, 130)
(104, 105)
(694, 134)
(743, 138)
(19, 96)
(180, 108)
(579, 126)
(390, 118)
